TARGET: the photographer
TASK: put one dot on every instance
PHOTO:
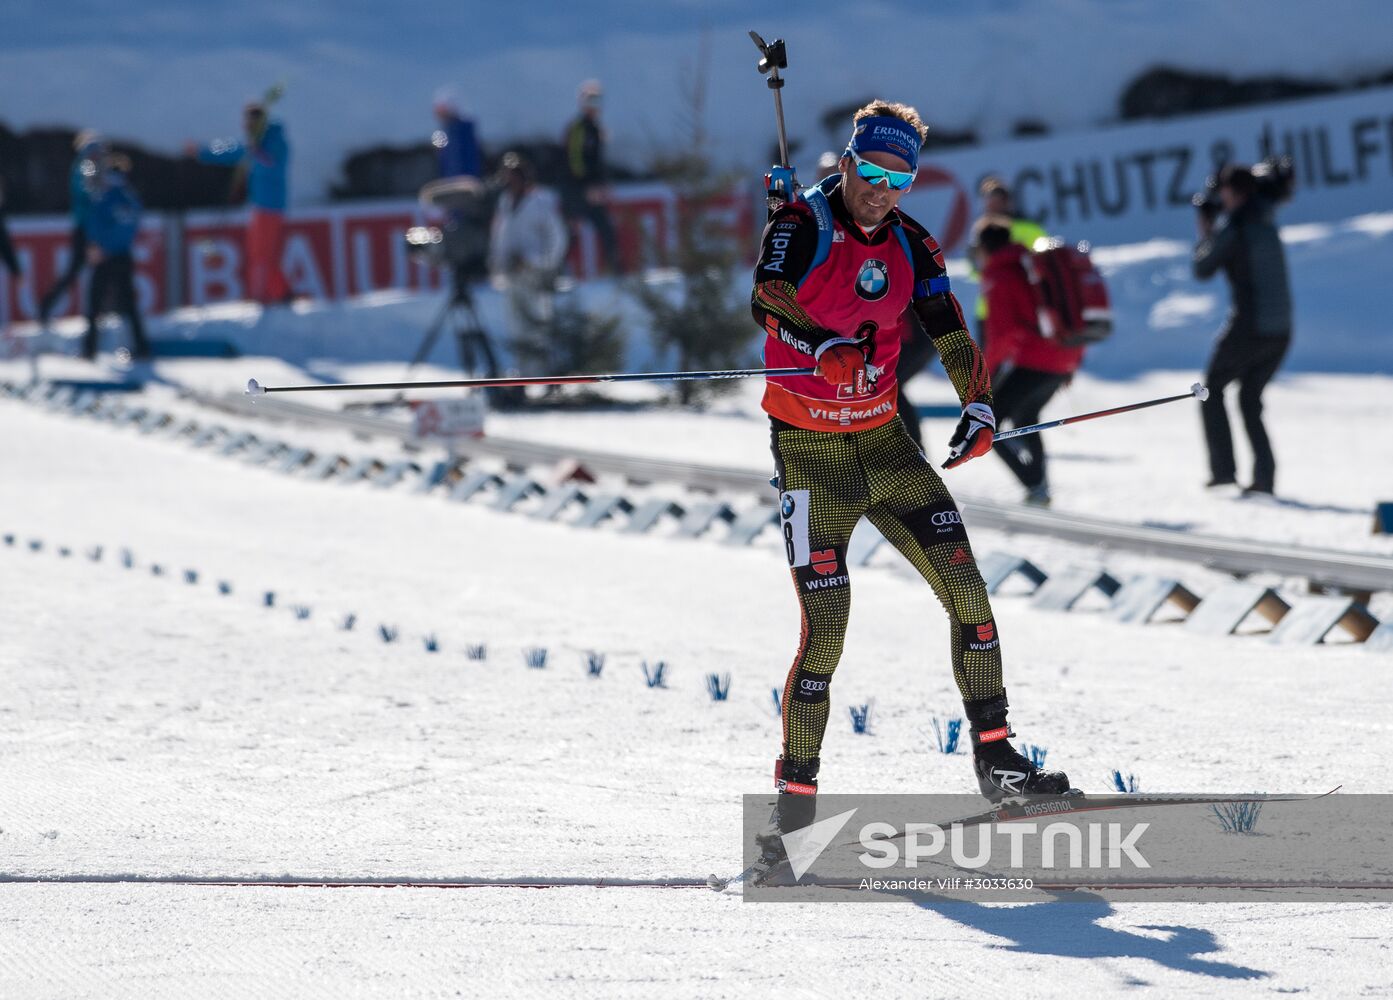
(1238, 235)
(527, 241)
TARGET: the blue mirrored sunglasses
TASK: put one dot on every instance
(896, 180)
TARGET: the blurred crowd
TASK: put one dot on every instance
(531, 231)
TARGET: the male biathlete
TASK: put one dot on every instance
(838, 269)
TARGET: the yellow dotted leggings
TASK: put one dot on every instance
(828, 481)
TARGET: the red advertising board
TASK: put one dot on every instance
(43, 247)
(330, 253)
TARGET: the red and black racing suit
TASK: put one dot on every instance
(843, 453)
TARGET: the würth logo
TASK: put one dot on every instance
(980, 638)
(825, 561)
(960, 556)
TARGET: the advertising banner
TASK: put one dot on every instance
(1132, 183)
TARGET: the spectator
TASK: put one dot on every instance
(584, 195)
(527, 242)
(264, 156)
(997, 202)
(111, 223)
(7, 250)
(1247, 247)
(1026, 368)
(82, 180)
(455, 141)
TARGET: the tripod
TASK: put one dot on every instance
(462, 318)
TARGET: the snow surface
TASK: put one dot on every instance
(151, 727)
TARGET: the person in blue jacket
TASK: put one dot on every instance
(111, 223)
(89, 148)
(263, 159)
(456, 141)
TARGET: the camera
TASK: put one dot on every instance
(461, 242)
(1275, 178)
(458, 246)
(1272, 179)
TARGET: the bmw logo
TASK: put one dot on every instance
(873, 281)
(787, 506)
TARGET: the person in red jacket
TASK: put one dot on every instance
(1027, 368)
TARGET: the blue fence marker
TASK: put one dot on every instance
(947, 734)
(1036, 755)
(656, 675)
(1237, 817)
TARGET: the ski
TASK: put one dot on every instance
(1037, 806)
(1010, 810)
(354, 882)
(720, 884)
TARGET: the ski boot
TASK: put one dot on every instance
(1001, 770)
(796, 783)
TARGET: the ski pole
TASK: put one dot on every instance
(775, 58)
(1197, 391)
(781, 184)
(255, 388)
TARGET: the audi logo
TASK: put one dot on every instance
(947, 517)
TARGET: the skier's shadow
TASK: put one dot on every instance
(1074, 929)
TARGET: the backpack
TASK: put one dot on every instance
(1071, 299)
